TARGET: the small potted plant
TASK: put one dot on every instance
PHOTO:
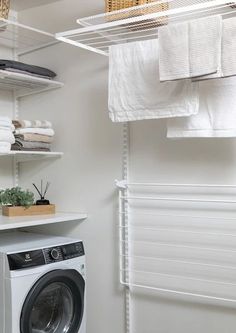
(17, 202)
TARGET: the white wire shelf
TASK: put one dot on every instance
(7, 223)
(26, 156)
(138, 23)
(22, 38)
(24, 84)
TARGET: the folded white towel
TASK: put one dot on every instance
(229, 47)
(217, 112)
(6, 135)
(190, 49)
(5, 122)
(135, 91)
(10, 128)
(5, 147)
(42, 131)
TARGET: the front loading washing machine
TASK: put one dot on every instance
(42, 284)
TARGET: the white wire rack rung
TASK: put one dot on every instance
(181, 246)
(178, 199)
(138, 23)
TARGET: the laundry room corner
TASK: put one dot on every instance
(117, 166)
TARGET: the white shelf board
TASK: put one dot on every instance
(24, 84)
(22, 38)
(25, 156)
(7, 223)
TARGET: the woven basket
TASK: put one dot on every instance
(4, 8)
(114, 5)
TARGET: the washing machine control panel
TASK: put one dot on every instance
(74, 250)
(45, 256)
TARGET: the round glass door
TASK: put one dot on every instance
(55, 304)
(53, 309)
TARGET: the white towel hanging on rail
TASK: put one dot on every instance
(135, 91)
(229, 47)
(191, 49)
(217, 112)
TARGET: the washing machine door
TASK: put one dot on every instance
(55, 304)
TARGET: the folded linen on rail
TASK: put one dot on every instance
(135, 91)
(190, 49)
(32, 124)
(217, 112)
(30, 69)
(41, 131)
(34, 137)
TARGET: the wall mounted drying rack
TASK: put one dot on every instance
(182, 242)
(99, 32)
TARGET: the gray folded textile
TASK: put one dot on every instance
(31, 144)
(18, 148)
(190, 49)
(229, 47)
(6, 64)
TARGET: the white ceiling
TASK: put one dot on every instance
(24, 4)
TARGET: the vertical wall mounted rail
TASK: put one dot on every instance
(124, 229)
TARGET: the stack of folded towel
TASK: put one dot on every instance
(6, 135)
(35, 135)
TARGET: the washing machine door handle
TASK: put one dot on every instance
(55, 303)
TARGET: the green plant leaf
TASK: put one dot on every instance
(15, 196)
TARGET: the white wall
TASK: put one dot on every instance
(84, 178)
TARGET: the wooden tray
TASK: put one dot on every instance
(32, 210)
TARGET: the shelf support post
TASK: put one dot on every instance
(125, 222)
